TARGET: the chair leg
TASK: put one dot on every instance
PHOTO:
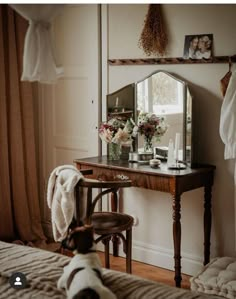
(129, 251)
(107, 259)
(115, 242)
(114, 208)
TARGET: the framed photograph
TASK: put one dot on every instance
(198, 46)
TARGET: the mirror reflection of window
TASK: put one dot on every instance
(167, 95)
(160, 94)
(163, 95)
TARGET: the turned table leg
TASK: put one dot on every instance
(207, 223)
(177, 238)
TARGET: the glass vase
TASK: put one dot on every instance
(147, 146)
(114, 151)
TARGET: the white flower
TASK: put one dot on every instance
(143, 117)
(135, 131)
(121, 136)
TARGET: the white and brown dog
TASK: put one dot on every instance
(82, 277)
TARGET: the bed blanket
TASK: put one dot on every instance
(43, 269)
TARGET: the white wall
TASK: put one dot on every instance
(153, 237)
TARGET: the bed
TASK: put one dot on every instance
(43, 268)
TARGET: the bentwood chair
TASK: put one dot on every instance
(107, 225)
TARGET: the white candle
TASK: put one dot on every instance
(177, 142)
(171, 157)
(117, 102)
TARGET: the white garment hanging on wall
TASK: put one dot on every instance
(39, 62)
(228, 121)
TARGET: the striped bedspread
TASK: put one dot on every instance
(43, 269)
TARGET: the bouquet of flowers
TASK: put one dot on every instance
(116, 131)
(150, 125)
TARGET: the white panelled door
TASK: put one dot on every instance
(68, 110)
(70, 107)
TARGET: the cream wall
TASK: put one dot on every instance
(153, 236)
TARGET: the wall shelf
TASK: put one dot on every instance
(173, 60)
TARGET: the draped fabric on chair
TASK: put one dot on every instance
(39, 62)
(19, 201)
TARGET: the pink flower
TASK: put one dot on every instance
(105, 135)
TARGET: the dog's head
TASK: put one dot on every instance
(80, 239)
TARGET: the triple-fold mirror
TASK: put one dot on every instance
(165, 95)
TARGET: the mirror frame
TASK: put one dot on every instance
(185, 87)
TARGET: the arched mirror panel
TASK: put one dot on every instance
(165, 95)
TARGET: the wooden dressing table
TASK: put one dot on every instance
(162, 179)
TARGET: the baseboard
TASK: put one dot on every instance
(161, 257)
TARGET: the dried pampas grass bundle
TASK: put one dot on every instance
(153, 39)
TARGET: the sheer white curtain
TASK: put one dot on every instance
(39, 63)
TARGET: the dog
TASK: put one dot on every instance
(82, 277)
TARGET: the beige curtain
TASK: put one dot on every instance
(19, 202)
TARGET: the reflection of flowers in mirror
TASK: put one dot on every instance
(116, 131)
(151, 125)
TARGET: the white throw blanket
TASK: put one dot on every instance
(61, 198)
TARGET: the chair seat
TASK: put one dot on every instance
(109, 222)
(109, 226)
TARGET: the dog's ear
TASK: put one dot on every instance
(68, 242)
(84, 239)
(80, 239)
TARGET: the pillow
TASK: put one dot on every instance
(218, 278)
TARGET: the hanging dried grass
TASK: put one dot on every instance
(153, 39)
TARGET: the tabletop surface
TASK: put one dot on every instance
(102, 161)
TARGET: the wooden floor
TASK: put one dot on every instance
(143, 270)
(146, 271)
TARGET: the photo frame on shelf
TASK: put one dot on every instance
(198, 46)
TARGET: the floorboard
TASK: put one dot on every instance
(146, 271)
(143, 270)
